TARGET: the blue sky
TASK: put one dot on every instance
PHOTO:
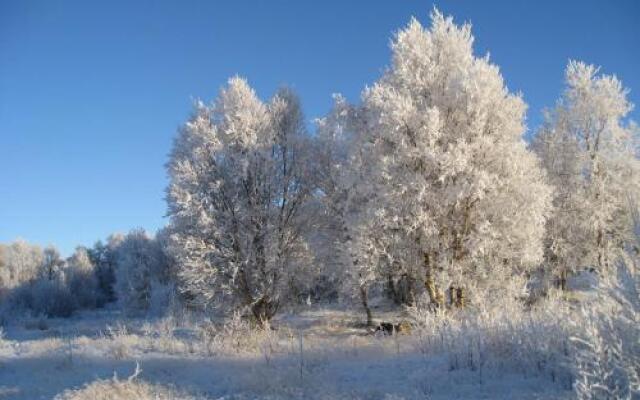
(91, 92)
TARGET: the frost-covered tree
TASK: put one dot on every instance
(21, 263)
(342, 162)
(81, 279)
(104, 257)
(566, 237)
(239, 187)
(51, 264)
(138, 256)
(590, 153)
(165, 270)
(458, 193)
(163, 275)
(32, 279)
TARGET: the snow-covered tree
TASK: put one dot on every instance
(342, 165)
(21, 263)
(105, 259)
(51, 264)
(165, 270)
(81, 279)
(458, 193)
(237, 199)
(590, 153)
(137, 257)
(566, 236)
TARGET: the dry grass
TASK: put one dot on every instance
(114, 389)
(129, 389)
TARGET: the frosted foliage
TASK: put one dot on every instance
(454, 183)
(138, 257)
(19, 263)
(237, 199)
(590, 153)
(342, 171)
(52, 263)
(606, 346)
(81, 279)
(80, 261)
(422, 203)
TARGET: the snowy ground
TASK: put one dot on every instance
(319, 353)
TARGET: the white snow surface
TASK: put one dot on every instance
(317, 354)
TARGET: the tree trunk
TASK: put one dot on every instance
(603, 260)
(243, 287)
(402, 291)
(452, 295)
(563, 280)
(364, 297)
(435, 295)
(391, 289)
(460, 298)
(411, 294)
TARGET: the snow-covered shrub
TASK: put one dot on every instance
(606, 343)
(210, 341)
(116, 389)
(505, 337)
(236, 335)
(51, 298)
(119, 341)
(591, 343)
(163, 337)
(124, 389)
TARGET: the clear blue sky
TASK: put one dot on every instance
(91, 92)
